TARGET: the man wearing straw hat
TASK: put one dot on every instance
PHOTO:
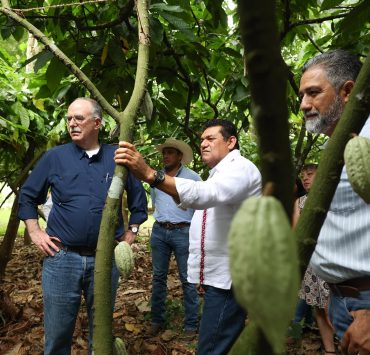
(170, 234)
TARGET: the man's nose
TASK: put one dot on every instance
(306, 104)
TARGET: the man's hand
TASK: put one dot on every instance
(129, 237)
(127, 155)
(40, 238)
(356, 340)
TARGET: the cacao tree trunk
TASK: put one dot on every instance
(9, 238)
(103, 306)
(7, 245)
(103, 317)
(267, 75)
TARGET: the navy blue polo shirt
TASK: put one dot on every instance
(79, 187)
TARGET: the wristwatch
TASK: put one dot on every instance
(159, 177)
(134, 229)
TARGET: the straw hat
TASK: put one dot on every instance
(184, 148)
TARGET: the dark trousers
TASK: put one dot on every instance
(222, 322)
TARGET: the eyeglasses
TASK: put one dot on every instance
(77, 118)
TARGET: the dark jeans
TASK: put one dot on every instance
(222, 322)
(163, 242)
(65, 277)
(303, 311)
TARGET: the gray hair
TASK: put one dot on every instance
(339, 65)
(96, 110)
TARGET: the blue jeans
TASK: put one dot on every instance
(65, 277)
(303, 311)
(340, 307)
(163, 242)
(222, 322)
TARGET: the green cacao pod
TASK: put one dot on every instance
(264, 266)
(119, 347)
(124, 258)
(357, 160)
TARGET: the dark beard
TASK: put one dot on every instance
(324, 122)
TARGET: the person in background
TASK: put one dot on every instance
(314, 291)
(231, 180)
(79, 175)
(170, 234)
(341, 256)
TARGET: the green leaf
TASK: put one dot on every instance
(156, 31)
(241, 93)
(165, 7)
(179, 24)
(18, 33)
(175, 98)
(329, 4)
(42, 58)
(39, 104)
(55, 73)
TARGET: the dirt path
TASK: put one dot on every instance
(21, 330)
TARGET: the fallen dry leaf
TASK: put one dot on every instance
(131, 322)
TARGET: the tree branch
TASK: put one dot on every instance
(123, 15)
(62, 57)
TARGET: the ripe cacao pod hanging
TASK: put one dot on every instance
(264, 266)
(124, 258)
(357, 160)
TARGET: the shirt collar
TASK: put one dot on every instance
(228, 158)
(82, 154)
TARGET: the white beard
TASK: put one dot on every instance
(324, 122)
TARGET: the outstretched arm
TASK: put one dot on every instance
(127, 155)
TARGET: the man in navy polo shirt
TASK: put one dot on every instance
(79, 175)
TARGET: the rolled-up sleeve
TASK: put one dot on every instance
(136, 200)
(34, 191)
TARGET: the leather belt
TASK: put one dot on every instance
(168, 225)
(351, 288)
(82, 250)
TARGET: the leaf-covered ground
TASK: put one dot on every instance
(21, 317)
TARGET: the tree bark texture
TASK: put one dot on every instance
(103, 317)
(267, 76)
(7, 244)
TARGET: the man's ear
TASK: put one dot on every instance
(346, 90)
(98, 122)
(232, 142)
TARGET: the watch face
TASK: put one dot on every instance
(134, 229)
(160, 176)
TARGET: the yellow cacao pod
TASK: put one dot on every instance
(357, 160)
(264, 266)
(119, 347)
(124, 258)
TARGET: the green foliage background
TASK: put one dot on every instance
(196, 69)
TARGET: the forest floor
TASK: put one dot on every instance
(21, 315)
